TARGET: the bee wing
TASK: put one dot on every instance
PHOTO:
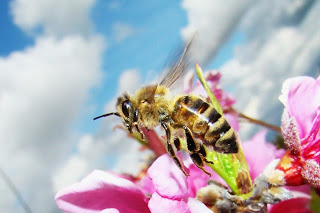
(177, 67)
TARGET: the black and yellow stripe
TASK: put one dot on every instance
(206, 123)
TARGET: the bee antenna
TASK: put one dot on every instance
(105, 115)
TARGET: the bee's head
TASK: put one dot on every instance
(126, 111)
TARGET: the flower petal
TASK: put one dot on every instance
(260, 153)
(233, 121)
(311, 143)
(110, 211)
(196, 206)
(158, 204)
(196, 180)
(168, 179)
(298, 205)
(147, 185)
(213, 80)
(188, 82)
(296, 91)
(101, 191)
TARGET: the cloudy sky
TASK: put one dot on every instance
(64, 62)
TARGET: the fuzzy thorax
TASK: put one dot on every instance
(153, 104)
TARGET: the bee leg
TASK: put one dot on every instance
(203, 152)
(199, 162)
(177, 143)
(171, 151)
(195, 150)
(140, 132)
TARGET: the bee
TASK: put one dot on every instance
(200, 122)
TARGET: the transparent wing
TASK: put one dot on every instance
(177, 67)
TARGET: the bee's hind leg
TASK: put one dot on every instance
(196, 151)
(171, 151)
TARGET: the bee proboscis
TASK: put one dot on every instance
(201, 123)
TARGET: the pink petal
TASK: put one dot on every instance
(301, 98)
(233, 121)
(101, 191)
(302, 191)
(158, 204)
(188, 82)
(298, 205)
(260, 153)
(196, 206)
(213, 76)
(196, 180)
(311, 143)
(147, 185)
(168, 179)
(110, 211)
(213, 80)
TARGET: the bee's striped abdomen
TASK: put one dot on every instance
(206, 123)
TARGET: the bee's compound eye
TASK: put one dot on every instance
(126, 107)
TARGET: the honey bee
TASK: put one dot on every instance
(200, 122)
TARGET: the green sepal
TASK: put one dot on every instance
(229, 167)
(214, 101)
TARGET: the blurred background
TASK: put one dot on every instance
(64, 62)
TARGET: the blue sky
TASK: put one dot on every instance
(64, 62)
(14, 37)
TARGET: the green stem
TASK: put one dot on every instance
(259, 122)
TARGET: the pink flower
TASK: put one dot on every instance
(172, 188)
(300, 127)
(103, 191)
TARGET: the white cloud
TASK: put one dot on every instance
(107, 148)
(284, 45)
(57, 18)
(42, 89)
(129, 81)
(213, 22)
(122, 31)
